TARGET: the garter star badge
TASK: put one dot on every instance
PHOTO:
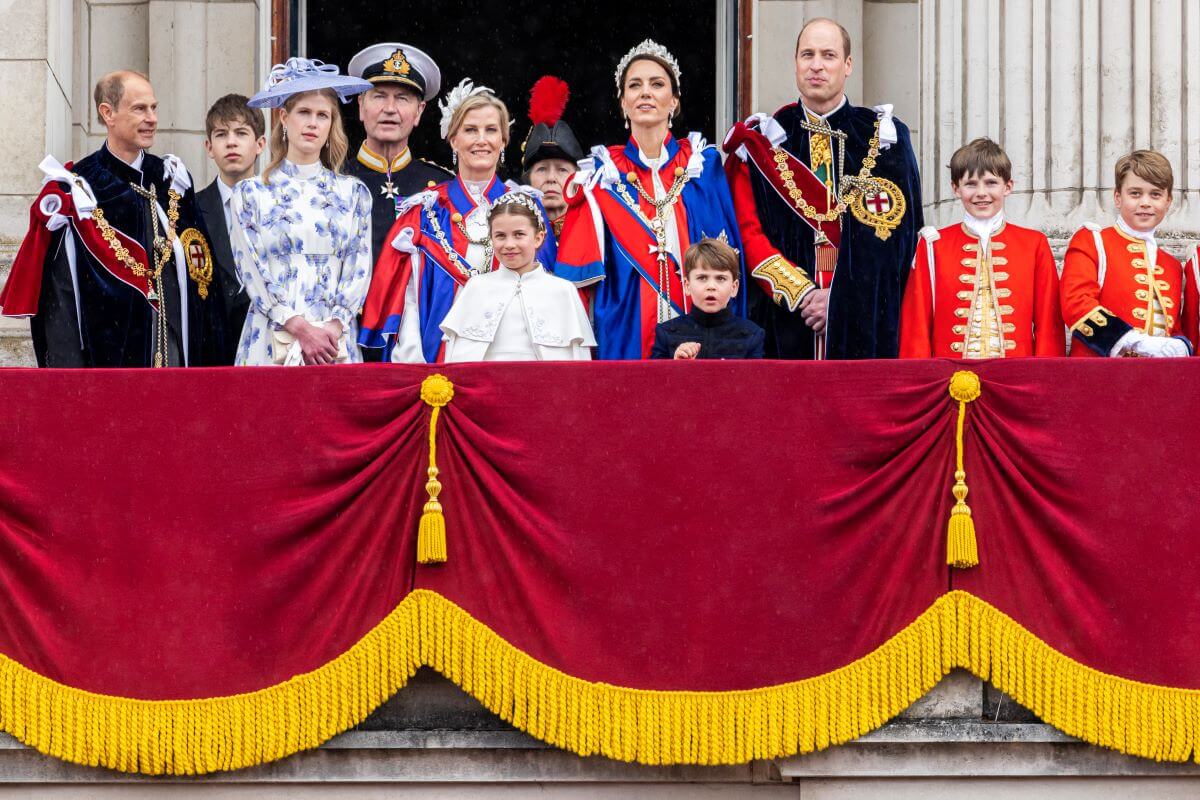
(881, 207)
(199, 259)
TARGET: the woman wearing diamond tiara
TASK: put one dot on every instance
(302, 242)
(633, 210)
(519, 312)
(440, 239)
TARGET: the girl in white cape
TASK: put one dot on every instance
(520, 312)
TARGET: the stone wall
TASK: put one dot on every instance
(53, 52)
(964, 741)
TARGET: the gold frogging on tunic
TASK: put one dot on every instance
(983, 333)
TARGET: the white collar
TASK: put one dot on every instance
(306, 171)
(225, 190)
(510, 276)
(983, 228)
(809, 112)
(477, 189)
(653, 163)
(1146, 236)
(135, 164)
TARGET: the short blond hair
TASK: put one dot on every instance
(111, 88)
(477, 101)
(1149, 165)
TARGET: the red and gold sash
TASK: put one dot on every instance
(792, 180)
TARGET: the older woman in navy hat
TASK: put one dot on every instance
(303, 239)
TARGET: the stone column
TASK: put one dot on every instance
(199, 50)
(36, 82)
(1066, 87)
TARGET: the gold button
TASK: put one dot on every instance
(679, 172)
(456, 217)
(431, 185)
(631, 176)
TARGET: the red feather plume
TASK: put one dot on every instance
(548, 100)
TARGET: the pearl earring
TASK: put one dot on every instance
(502, 158)
(454, 157)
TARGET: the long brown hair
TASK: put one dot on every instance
(337, 146)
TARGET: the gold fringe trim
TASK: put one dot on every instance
(1138, 719)
(189, 737)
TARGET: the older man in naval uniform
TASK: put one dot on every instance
(403, 79)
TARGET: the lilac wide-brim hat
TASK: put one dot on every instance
(305, 75)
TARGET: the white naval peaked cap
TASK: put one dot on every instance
(396, 62)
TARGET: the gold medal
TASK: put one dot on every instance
(881, 206)
(199, 260)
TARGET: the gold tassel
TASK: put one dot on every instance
(437, 391)
(962, 551)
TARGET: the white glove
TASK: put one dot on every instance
(1175, 347)
(1159, 347)
(1129, 343)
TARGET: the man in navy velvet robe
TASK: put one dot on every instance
(116, 270)
(828, 198)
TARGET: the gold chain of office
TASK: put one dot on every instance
(162, 251)
(844, 200)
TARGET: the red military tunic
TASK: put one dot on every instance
(1112, 289)
(999, 303)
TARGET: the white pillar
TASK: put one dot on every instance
(1067, 87)
(198, 51)
(36, 79)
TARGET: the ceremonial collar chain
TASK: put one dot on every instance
(658, 225)
(160, 252)
(461, 264)
(849, 189)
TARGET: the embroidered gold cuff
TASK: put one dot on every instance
(1098, 316)
(788, 282)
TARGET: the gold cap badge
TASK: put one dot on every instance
(397, 64)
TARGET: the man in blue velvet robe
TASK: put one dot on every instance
(116, 270)
(828, 198)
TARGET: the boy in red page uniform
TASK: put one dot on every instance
(983, 288)
(1122, 294)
